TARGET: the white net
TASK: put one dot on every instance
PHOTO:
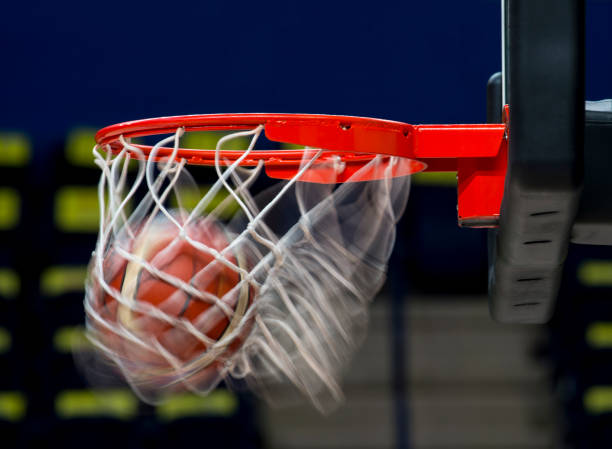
(275, 296)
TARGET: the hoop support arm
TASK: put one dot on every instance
(478, 153)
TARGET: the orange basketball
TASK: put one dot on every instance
(214, 301)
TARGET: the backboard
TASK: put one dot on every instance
(555, 189)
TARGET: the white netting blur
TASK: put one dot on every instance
(275, 295)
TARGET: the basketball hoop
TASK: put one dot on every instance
(276, 294)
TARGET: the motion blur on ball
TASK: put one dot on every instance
(168, 303)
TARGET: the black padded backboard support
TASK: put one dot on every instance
(593, 225)
(543, 82)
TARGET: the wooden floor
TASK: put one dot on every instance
(471, 383)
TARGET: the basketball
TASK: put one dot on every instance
(172, 284)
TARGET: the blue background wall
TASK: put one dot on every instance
(68, 63)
